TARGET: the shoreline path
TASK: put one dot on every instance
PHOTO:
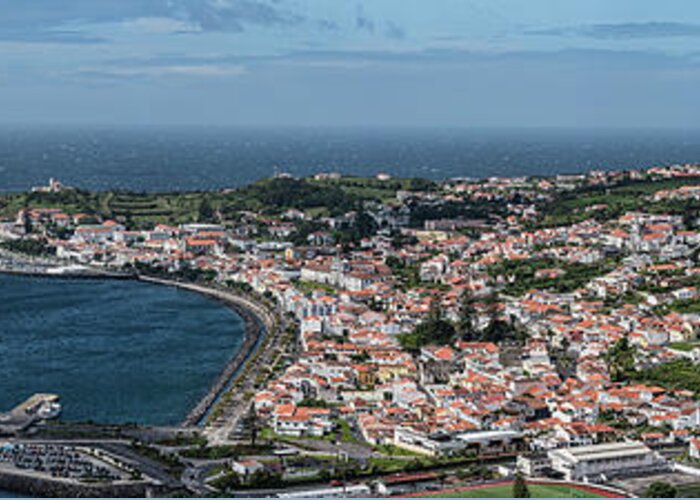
(263, 330)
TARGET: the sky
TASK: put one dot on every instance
(455, 63)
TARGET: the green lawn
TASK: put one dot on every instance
(689, 490)
(684, 346)
(506, 491)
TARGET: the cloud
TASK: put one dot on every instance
(234, 15)
(160, 25)
(44, 20)
(144, 71)
(70, 37)
(393, 30)
(624, 30)
(362, 21)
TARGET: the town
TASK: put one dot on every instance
(432, 334)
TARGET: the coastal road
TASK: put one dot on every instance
(257, 355)
(222, 431)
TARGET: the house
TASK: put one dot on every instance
(246, 468)
(436, 363)
(289, 420)
(534, 464)
(694, 449)
(402, 483)
(202, 246)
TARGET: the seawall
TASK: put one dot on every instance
(258, 322)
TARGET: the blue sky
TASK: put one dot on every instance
(491, 63)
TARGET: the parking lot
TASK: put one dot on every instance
(639, 485)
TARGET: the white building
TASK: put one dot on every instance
(601, 461)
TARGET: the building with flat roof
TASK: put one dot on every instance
(600, 462)
(445, 443)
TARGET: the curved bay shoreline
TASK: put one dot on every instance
(258, 322)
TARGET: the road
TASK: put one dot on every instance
(266, 348)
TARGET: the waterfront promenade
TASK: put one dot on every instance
(260, 323)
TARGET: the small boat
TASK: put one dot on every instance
(49, 410)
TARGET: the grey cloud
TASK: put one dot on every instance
(46, 21)
(362, 21)
(234, 15)
(393, 30)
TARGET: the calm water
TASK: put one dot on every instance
(186, 158)
(115, 351)
(10, 494)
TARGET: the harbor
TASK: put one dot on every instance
(258, 321)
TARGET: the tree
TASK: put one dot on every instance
(432, 331)
(497, 331)
(253, 423)
(621, 360)
(206, 211)
(466, 326)
(660, 489)
(520, 489)
(365, 225)
(227, 482)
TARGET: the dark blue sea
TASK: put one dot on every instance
(152, 159)
(115, 351)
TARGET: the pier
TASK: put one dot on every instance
(25, 414)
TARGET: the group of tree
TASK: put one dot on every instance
(285, 192)
(185, 273)
(438, 331)
(678, 374)
(434, 330)
(621, 360)
(36, 248)
(520, 489)
(364, 226)
(660, 489)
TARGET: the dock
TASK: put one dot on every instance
(25, 414)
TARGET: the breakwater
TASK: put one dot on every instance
(38, 486)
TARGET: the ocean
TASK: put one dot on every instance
(114, 351)
(169, 159)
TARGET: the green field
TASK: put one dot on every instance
(506, 491)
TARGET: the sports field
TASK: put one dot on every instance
(506, 491)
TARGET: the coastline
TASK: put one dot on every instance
(258, 321)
